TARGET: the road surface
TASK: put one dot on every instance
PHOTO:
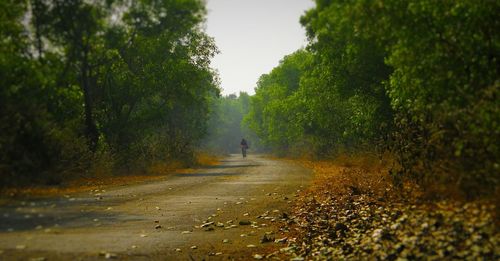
(158, 220)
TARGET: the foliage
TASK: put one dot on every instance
(348, 104)
(445, 88)
(157, 85)
(417, 77)
(328, 99)
(274, 112)
(128, 82)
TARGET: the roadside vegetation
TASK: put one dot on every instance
(98, 88)
(416, 79)
(353, 211)
(395, 106)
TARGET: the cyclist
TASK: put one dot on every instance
(244, 147)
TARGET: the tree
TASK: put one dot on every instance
(445, 89)
(157, 85)
(123, 83)
(418, 77)
(275, 114)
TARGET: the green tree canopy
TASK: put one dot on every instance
(127, 83)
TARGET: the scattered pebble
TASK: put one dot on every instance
(267, 238)
(38, 259)
(244, 222)
(281, 240)
(207, 224)
(110, 256)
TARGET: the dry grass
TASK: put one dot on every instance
(356, 192)
(205, 159)
(369, 175)
(105, 179)
(165, 168)
(358, 174)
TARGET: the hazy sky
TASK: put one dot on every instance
(253, 36)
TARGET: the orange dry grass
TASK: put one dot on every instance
(361, 174)
(165, 168)
(205, 159)
(156, 171)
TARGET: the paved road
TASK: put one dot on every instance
(121, 220)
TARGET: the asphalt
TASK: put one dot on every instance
(160, 220)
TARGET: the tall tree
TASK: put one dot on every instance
(76, 25)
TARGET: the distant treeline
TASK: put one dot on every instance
(93, 86)
(225, 127)
(418, 78)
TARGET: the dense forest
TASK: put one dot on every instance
(116, 86)
(417, 79)
(101, 86)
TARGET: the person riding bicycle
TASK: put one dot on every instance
(244, 147)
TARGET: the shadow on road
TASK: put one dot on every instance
(231, 166)
(192, 175)
(62, 218)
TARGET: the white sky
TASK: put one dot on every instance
(253, 36)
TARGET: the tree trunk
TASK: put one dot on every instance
(37, 12)
(91, 128)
